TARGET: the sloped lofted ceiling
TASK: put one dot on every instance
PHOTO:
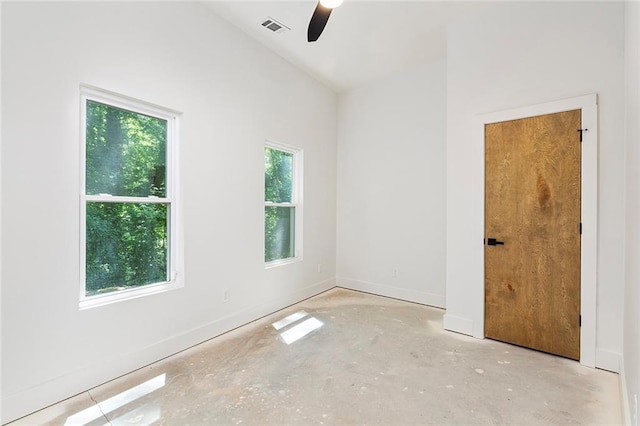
(363, 41)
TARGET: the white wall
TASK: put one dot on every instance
(233, 94)
(520, 54)
(391, 192)
(630, 373)
(395, 163)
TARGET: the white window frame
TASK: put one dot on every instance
(174, 262)
(296, 201)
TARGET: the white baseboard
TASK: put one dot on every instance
(608, 360)
(59, 388)
(457, 324)
(626, 406)
(424, 298)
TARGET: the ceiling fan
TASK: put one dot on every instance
(320, 17)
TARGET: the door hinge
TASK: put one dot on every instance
(580, 228)
(580, 321)
(581, 131)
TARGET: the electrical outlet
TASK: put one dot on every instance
(319, 267)
(394, 273)
(225, 295)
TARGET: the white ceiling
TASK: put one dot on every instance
(363, 41)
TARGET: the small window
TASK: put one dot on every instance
(283, 204)
(128, 202)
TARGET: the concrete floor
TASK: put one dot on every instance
(364, 360)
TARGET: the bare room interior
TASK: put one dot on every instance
(287, 228)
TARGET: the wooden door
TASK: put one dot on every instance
(532, 205)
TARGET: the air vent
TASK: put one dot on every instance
(273, 25)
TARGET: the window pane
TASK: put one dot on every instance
(126, 246)
(126, 152)
(279, 226)
(278, 175)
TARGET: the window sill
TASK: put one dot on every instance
(134, 293)
(281, 262)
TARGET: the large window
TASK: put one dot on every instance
(128, 201)
(283, 204)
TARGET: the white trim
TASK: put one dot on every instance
(106, 198)
(430, 299)
(129, 294)
(281, 146)
(297, 194)
(281, 262)
(128, 102)
(589, 241)
(175, 250)
(608, 360)
(458, 324)
(626, 406)
(51, 390)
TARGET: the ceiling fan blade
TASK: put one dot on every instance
(318, 21)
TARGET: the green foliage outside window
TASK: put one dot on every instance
(126, 242)
(279, 230)
(126, 152)
(278, 175)
(126, 246)
(279, 223)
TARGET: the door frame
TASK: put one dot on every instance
(588, 104)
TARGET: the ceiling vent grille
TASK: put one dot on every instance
(273, 25)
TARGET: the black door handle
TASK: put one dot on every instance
(494, 242)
